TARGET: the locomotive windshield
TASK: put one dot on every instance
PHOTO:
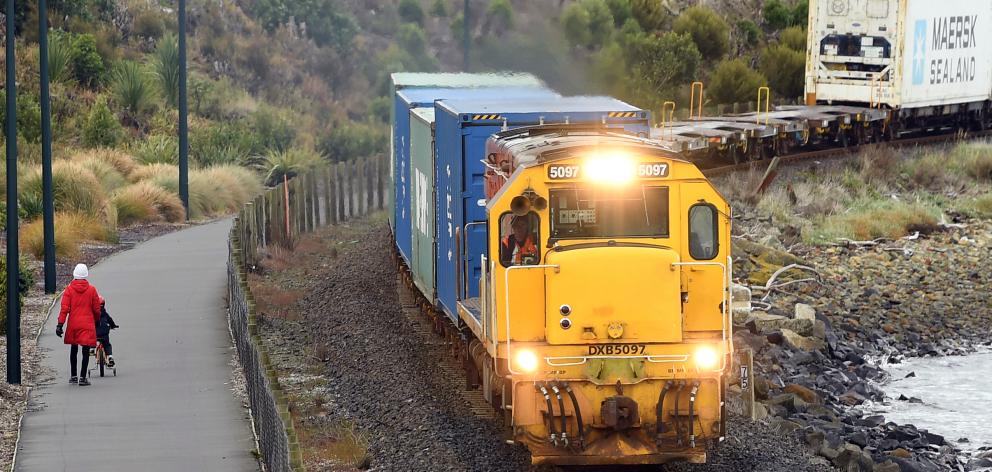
(609, 212)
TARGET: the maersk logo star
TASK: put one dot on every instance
(920, 52)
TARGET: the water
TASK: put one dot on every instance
(956, 393)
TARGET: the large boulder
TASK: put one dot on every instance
(762, 322)
(802, 343)
(805, 312)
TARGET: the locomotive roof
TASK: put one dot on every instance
(580, 104)
(459, 79)
(423, 97)
(530, 150)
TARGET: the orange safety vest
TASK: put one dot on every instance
(528, 248)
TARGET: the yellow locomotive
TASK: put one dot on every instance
(602, 326)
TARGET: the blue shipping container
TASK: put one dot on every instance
(462, 128)
(441, 85)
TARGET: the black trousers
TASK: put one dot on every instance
(72, 359)
(105, 340)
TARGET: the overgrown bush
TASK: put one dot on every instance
(272, 129)
(650, 14)
(87, 65)
(778, 15)
(794, 37)
(101, 128)
(28, 116)
(785, 69)
(352, 140)
(710, 33)
(621, 11)
(749, 32)
(148, 24)
(734, 81)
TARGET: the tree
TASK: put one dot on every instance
(101, 128)
(588, 23)
(649, 13)
(500, 13)
(785, 69)
(662, 62)
(439, 9)
(794, 37)
(411, 12)
(621, 11)
(710, 33)
(733, 81)
(800, 14)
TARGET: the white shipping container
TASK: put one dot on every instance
(900, 53)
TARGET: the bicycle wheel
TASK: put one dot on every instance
(100, 356)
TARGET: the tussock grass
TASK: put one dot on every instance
(153, 172)
(120, 160)
(110, 179)
(879, 219)
(75, 189)
(71, 228)
(980, 207)
(145, 202)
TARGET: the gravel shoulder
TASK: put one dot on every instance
(33, 315)
(366, 384)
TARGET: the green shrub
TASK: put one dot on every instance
(165, 66)
(379, 108)
(439, 9)
(800, 14)
(650, 14)
(620, 10)
(101, 128)
(148, 24)
(794, 37)
(157, 149)
(777, 15)
(710, 33)
(272, 129)
(24, 283)
(131, 88)
(351, 141)
(28, 116)
(749, 32)
(662, 62)
(410, 11)
(734, 81)
(785, 69)
(500, 12)
(87, 65)
(588, 23)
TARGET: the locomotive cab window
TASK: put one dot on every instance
(519, 240)
(608, 212)
(703, 232)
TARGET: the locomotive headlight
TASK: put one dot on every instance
(525, 360)
(610, 169)
(707, 358)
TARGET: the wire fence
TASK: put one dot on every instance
(323, 196)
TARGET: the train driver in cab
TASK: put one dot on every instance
(519, 247)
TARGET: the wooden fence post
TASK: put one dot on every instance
(380, 181)
(370, 169)
(340, 174)
(352, 200)
(325, 175)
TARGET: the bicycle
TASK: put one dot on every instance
(101, 360)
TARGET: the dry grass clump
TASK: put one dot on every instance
(879, 163)
(71, 228)
(110, 178)
(980, 207)
(145, 202)
(879, 219)
(153, 171)
(120, 160)
(977, 160)
(74, 188)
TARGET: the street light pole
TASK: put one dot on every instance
(13, 294)
(46, 150)
(183, 113)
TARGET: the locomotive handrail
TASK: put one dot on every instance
(658, 359)
(726, 299)
(506, 292)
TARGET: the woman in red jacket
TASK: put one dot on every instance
(81, 304)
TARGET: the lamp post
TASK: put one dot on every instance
(13, 298)
(183, 113)
(46, 150)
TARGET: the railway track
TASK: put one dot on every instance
(833, 153)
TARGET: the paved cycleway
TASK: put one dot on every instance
(170, 407)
